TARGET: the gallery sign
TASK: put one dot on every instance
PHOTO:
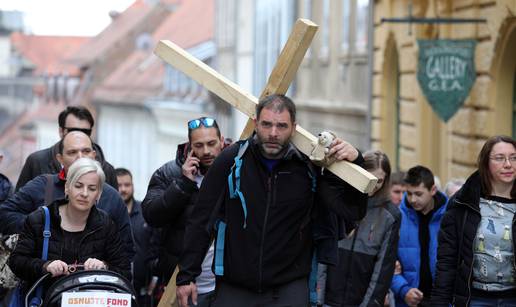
(446, 73)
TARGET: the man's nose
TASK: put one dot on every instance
(274, 130)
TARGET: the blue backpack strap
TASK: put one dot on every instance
(36, 301)
(234, 188)
(219, 248)
(46, 233)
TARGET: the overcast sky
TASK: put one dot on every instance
(65, 17)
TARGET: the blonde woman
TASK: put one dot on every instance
(80, 233)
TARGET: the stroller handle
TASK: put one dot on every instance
(34, 286)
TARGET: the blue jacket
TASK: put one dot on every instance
(409, 250)
(14, 211)
(5, 188)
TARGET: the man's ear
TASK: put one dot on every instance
(433, 190)
(61, 132)
(221, 141)
(59, 158)
(94, 154)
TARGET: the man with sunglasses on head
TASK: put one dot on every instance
(264, 197)
(73, 118)
(171, 194)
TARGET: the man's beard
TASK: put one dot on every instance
(127, 199)
(272, 153)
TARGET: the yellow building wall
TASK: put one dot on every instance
(449, 149)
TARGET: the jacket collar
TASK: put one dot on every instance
(439, 209)
(470, 193)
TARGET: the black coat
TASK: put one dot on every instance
(45, 162)
(167, 205)
(14, 211)
(100, 240)
(455, 246)
(276, 244)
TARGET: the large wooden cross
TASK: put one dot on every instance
(278, 83)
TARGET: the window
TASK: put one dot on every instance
(273, 22)
(345, 25)
(361, 26)
(325, 29)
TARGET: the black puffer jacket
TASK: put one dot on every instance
(458, 230)
(272, 243)
(45, 162)
(167, 205)
(100, 240)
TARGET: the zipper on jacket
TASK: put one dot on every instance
(82, 240)
(472, 252)
(260, 261)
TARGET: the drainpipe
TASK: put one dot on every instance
(370, 62)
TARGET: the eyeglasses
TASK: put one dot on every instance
(83, 130)
(502, 159)
(207, 122)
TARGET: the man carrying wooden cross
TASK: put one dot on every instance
(264, 198)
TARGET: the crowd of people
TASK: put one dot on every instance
(256, 223)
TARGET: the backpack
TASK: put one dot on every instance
(8, 242)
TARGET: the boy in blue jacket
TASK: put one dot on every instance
(422, 209)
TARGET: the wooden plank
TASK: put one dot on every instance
(287, 64)
(245, 102)
(206, 76)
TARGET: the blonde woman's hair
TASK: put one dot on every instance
(83, 166)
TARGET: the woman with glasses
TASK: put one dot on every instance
(475, 258)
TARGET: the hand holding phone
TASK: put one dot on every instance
(191, 166)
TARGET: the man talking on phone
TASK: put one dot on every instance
(171, 194)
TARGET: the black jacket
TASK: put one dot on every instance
(45, 162)
(455, 248)
(146, 241)
(366, 259)
(100, 240)
(167, 205)
(275, 246)
(14, 211)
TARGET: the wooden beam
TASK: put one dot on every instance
(245, 102)
(287, 64)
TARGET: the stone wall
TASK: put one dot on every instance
(449, 149)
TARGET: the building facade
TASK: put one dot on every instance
(331, 86)
(403, 123)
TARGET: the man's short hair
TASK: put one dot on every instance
(78, 111)
(123, 172)
(397, 178)
(60, 145)
(215, 126)
(420, 174)
(277, 103)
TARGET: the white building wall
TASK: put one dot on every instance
(5, 53)
(128, 138)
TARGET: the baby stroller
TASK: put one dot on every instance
(95, 287)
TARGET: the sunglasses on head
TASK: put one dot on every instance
(83, 130)
(207, 122)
